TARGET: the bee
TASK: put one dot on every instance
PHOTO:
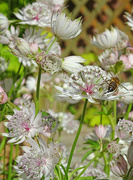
(113, 85)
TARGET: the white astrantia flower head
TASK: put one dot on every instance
(4, 24)
(63, 27)
(88, 83)
(37, 161)
(72, 63)
(124, 130)
(35, 14)
(49, 62)
(19, 47)
(67, 122)
(130, 19)
(97, 173)
(108, 57)
(23, 124)
(113, 38)
(30, 63)
(3, 64)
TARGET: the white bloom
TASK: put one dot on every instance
(113, 38)
(23, 124)
(3, 23)
(64, 28)
(86, 83)
(35, 14)
(28, 62)
(3, 64)
(37, 161)
(130, 20)
(9, 34)
(108, 57)
(49, 62)
(67, 122)
(72, 63)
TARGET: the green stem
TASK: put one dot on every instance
(88, 165)
(76, 138)
(55, 38)
(37, 91)
(128, 111)
(10, 162)
(115, 111)
(106, 163)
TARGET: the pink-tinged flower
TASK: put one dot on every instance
(23, 124)
(119, 166)
(37, 161)
(88, 83)
(3, 96)
(113, 38)
(35, 14)
(130, 154)
(126, 61)
(130, 116)
(114, 148)
(33, 47)
(50, 124)
(63, 27)
(124, 130)
(100, 131)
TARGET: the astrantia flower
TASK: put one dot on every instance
(108, 58)
(64, 28)
(72, 63)
(3, 96)
(37, 161)
(35, 14)
(130, 20)
(3, 64)
(97, 173)
(114, 148)
(100, 131)
(9, 34)
(86, 83)
(124, 130)
(119, 166)
(23, 124)
(49, 62)
(113, 38)
(3, 23)
(19, 47)
(67, 122)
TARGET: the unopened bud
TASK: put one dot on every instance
(100, 131)
(34, 47)
(3, 96)
(130, 154)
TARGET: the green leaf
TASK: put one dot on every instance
(90, 57)
(86, 178)
(87, 154)
(58, 172)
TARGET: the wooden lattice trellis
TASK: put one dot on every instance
(97, 16)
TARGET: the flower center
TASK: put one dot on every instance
(25, 125)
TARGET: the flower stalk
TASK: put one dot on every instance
(77, 136)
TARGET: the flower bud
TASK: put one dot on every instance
(100, 131)
(34, 47)
(119, 166)
(3, 96)
(130, 154)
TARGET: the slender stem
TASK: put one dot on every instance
(87, 166)
(128, 111)
(10, 162)
(115, 111)
(106, 163)
(76, 138)
(55, 38)
(37, 91)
